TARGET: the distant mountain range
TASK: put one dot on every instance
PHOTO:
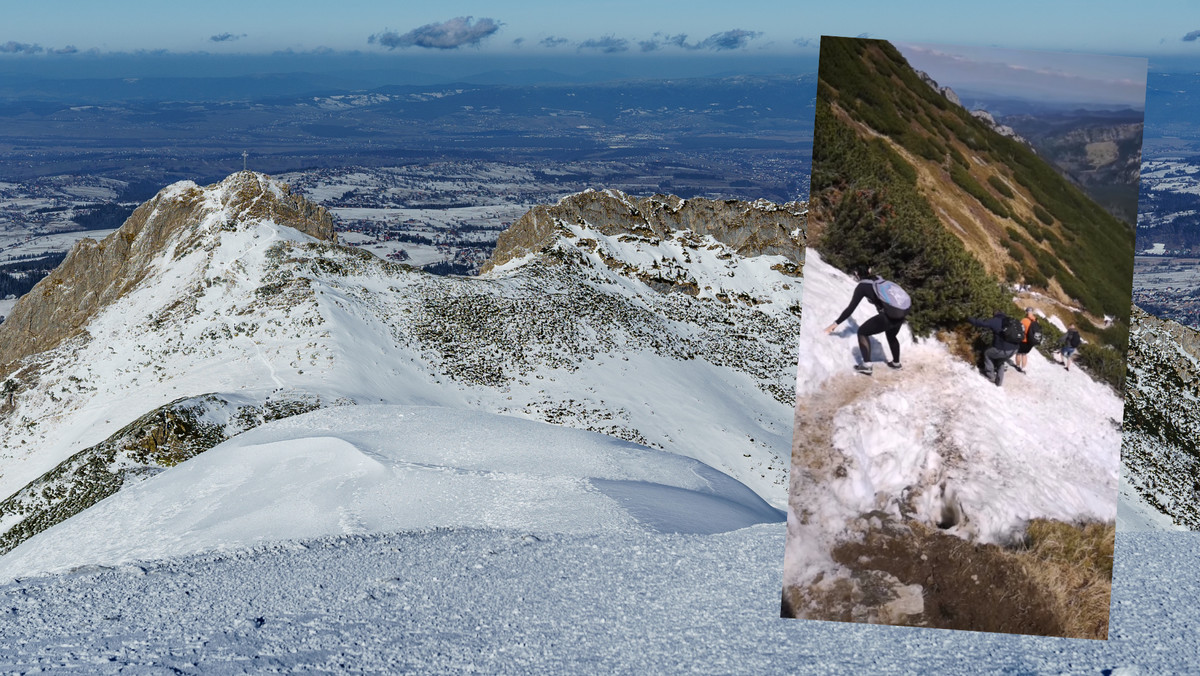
(1100, 151)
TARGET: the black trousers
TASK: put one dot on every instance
(880, 323)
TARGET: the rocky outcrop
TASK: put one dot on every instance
(749, 228)
(1001, 129)
(95, 274)
(946, 92)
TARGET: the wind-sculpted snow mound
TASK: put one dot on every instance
(370, 469)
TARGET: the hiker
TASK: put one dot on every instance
(1033, 336)
(1070, 342)
(1007, 334)
(893, 304)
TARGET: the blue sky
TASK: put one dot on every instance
(562, 27)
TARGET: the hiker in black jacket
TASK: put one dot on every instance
(1069, 343)
(995, 359)
(880, 323)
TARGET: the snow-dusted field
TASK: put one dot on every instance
(1153, 273)
(454, 601)
(14, 246)
(441, 226)
(1170, 175)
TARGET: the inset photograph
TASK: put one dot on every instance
(967, 297)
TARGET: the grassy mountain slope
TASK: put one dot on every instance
(912, 184)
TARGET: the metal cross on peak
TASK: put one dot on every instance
(244, 156)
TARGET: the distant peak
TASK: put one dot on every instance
(181, 218)
(749, 228)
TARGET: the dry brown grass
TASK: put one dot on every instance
(958, 344)
(1074, 564)
(1057, 583)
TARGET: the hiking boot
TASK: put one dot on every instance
(895, 365)
(864, 369)
(1018, 368)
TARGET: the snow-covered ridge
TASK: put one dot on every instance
(748, 228)
(693, 264)
(179, 220)
(252, 311)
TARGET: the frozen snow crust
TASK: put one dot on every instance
(454, 601)
(362, 469)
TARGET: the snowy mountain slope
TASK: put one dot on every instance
(1160, 455)
(372, 469)
(254, 312)
(1135, 513)
(935, 442)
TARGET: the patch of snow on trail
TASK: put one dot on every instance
(1046, 444)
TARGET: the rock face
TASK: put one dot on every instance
(749, 228)
(95, 274)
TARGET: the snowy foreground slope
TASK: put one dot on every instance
(378, 469)
(936, 441)
(449, 601)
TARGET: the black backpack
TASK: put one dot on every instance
(1073, 339)
(1034, 334)
(1012, 331)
